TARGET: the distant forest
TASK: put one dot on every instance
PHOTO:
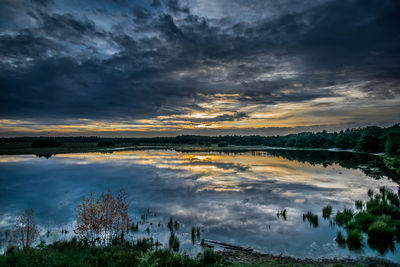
(369, 139)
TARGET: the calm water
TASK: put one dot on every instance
(234, 198)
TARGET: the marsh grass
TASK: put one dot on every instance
(340, 240)
(344, 217)
(134, 227)
(326, 212)
(173, 242)
(378, 219)
(193, 235)
(311, 218)
(76, 253)
(359, 204)
(281, 213)
(354, 239)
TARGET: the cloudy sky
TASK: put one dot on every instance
(169, 67)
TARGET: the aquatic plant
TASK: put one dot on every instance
(359, 204)
(380, 221)
(173, 242)
(340, 240)
(363, 220)
(193, 235)
(134, 227)
(170, 224)
(393, 198)
(198, 232)
(326, 212)
(281, 213)
(176, 225)
(344, 217)
(354, 239)
(381, 235)
(311, 218)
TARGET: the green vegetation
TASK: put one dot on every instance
(311, 218)
(343, 217)
(223, 144)
(326, 212)
(76, 253)
(379, 219)
(46, 142)
(304, 146)
(101, 225)
(106, 143)
(359, 204)
(340, 240)
(354, 239)
(369, 139)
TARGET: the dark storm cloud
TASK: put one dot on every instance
(132, 60)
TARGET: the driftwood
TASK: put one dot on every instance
(228, 246)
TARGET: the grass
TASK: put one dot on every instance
(340, 240)
(74, 253)
(326, 212)
(311, 218)
(344, 217)
(378, 219)
(359, 204)
(354, 239)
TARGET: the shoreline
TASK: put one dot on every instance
(25, 149)
(255, 257)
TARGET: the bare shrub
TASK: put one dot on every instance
(103, 220)
(25, 229)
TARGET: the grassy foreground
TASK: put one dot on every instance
(74, 253)
(143, 253)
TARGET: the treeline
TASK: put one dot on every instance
(370, 165)
(368, 139)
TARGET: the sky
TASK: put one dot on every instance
(171, 67)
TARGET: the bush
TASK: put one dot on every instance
(354, 239)
(381, 230)
(209, 257)
(364, 220)
(104, 219)
(381, 236)
(344, 217)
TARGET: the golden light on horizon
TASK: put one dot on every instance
(221, 113)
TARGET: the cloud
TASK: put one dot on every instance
(140, 60)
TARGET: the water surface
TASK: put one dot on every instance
(232, 197)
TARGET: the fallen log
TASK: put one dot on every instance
(228, 246)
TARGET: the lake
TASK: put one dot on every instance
(232, 197)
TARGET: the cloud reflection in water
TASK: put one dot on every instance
(233, 197)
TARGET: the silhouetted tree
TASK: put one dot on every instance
(371, 140)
